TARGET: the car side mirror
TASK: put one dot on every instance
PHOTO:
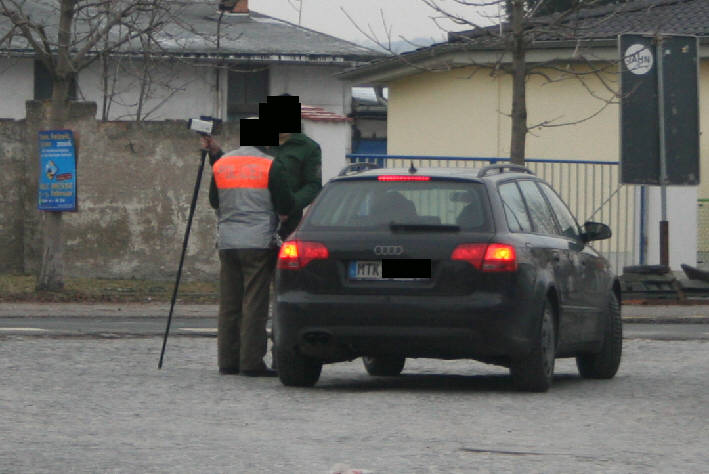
(596, 231)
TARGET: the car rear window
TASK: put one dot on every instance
(377, 204)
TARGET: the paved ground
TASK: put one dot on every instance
(100, 405)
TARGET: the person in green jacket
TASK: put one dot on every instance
(301, 158)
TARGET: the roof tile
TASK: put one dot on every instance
(318, 114)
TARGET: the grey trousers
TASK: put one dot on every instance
(244, 281)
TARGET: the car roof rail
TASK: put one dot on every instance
(500, 168)
(355, 168)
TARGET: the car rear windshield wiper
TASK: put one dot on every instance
(400, 227)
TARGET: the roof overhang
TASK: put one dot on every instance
(209, 57)
(449, 56)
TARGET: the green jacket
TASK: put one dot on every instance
(301, 159)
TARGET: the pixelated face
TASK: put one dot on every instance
(278, 118)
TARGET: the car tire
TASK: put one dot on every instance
(604, 364)
(534, 372)
(296, 370)
(388, 366)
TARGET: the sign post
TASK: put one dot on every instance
(57, 171)
(659, 115)
(664, 224)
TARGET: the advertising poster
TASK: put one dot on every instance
(57, 171)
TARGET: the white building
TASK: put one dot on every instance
(214, 63)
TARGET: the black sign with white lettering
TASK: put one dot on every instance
(640, 148)
(681, 109)
(640, 111)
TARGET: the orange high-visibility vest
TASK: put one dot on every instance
(246, 216)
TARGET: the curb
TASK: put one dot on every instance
(666, 320)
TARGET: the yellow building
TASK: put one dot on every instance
(453, 99)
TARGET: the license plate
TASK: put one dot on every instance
(391, 269)
(365, 270)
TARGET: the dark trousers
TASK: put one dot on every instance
(244, 281)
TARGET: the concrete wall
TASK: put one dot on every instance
(12, 164)
(135, 184)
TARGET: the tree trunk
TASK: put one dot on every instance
(519, 74)
(51, 272)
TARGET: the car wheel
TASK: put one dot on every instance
(387, 366)
(296, 370)
(604, 364)
(534, 372)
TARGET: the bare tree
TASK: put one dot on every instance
(67, 36)
(510, 27)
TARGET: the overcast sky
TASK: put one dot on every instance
(408, 18)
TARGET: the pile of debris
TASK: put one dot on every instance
(645, 283)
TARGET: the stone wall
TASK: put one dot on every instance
(12, 166)
(135, 182)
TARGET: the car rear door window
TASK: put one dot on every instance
(515, 210)
(566, 220)
(378, 204)
(542, 217)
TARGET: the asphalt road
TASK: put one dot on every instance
(94, 405)
(137, 326)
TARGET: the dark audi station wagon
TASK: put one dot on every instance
(449, 263)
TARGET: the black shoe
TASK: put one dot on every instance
(228, 371)
(265, 372)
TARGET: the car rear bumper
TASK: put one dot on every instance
(336, 327)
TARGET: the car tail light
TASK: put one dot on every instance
(487, 257)
(471, 253)
(388, 177)
(500, 258)
(296, 254)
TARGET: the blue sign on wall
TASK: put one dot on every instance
(57, 171)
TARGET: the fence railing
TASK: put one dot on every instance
(592, 190)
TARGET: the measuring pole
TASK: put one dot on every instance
(664, 225)
(193, 205)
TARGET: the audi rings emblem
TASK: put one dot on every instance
(388, 250)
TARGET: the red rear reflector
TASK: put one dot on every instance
(403, 178)
(296, 254)
(471, 253)
(487, 257)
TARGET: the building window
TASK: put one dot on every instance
(245, 91)
(43, 83)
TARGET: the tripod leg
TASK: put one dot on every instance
(193, 205)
